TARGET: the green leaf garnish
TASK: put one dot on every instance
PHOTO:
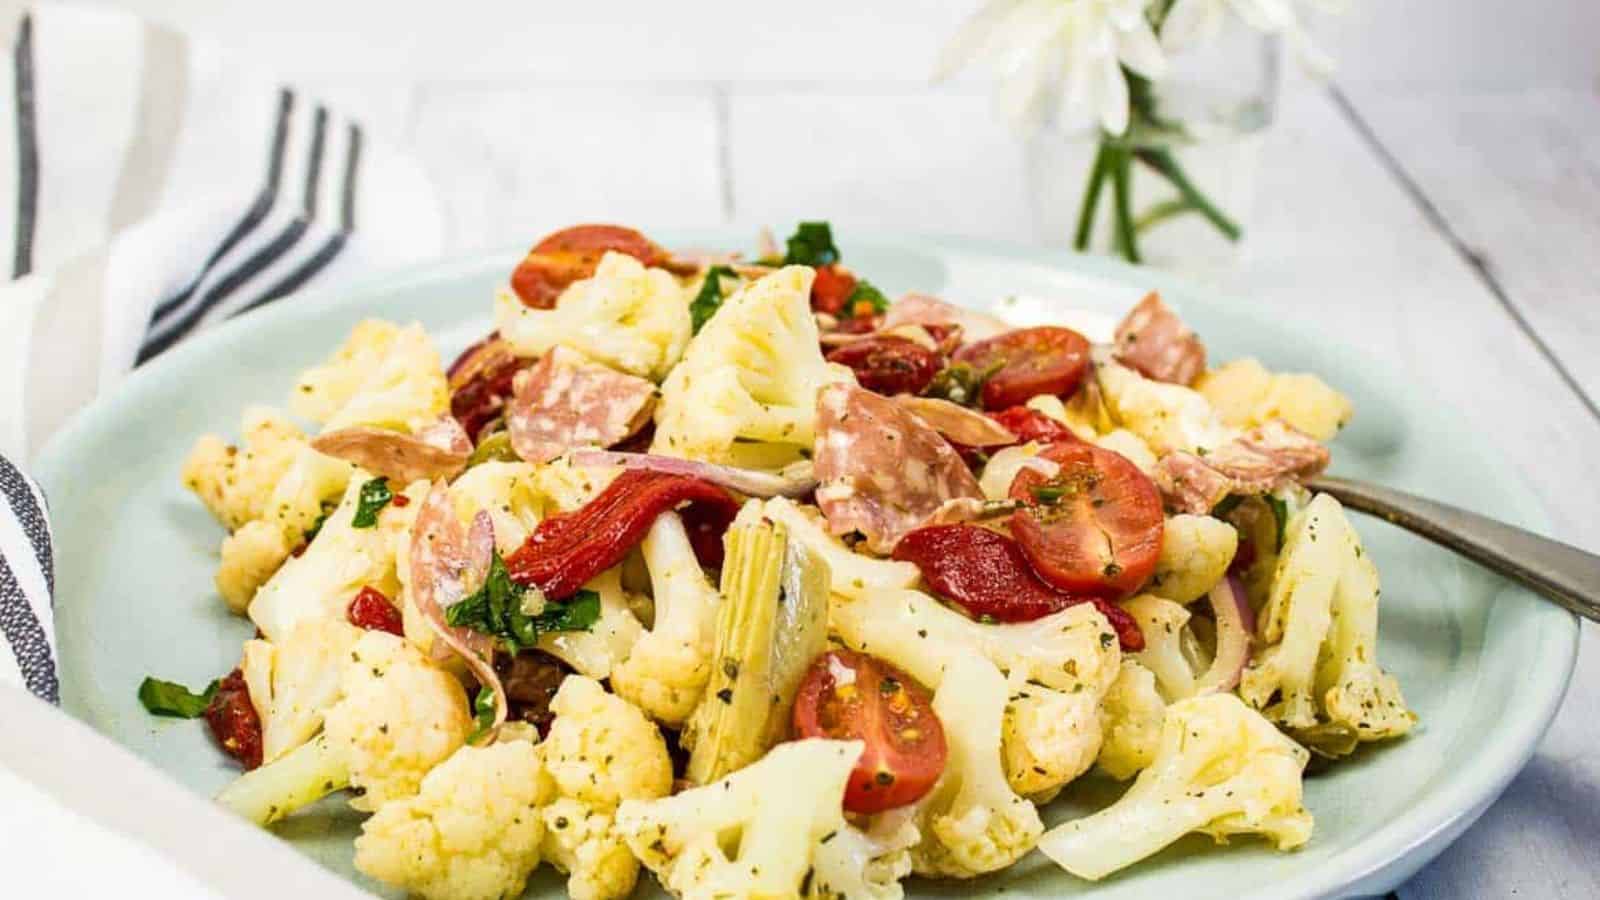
(316, 527)
(375, 495)
(495, 609)
(866, 293)
(167, 698)
(811, 245)
(482, 713)
(709, 299)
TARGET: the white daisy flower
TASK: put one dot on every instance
(1080, 45)
(1194, 22)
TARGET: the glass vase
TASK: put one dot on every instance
(1177, 190)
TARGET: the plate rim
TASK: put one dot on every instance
(1378, 861)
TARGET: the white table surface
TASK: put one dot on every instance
(1447, 222)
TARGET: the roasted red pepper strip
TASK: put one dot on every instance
(373, 611)
(1032, 425)
(566, 551)
(986, 574)
(234, 722)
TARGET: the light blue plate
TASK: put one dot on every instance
(1483, 662)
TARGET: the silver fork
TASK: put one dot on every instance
(1563, 574)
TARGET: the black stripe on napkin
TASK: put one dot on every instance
(25, 507)
(166, 334)
(22, 631)
(330, 249)
(253, 217)
(27, 150)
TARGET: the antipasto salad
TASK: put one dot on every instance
(742, 572)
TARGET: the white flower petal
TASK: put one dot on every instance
(1140, 51)
(975, 39)
(1191, 23)
(1264, 15)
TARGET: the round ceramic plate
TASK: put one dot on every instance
(1483, 662)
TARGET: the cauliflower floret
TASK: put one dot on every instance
(320, 583)
(1195, 553)
(601, 752)
(1130, 446)
(1074, 649)
(1130, 722)
(399, 716)
(236, 482)
(972, 821)
(249, 557)
(746, 391)
(1245, 394)
(625, 315)
(1162, 622)
(1049, 738)
(566, 487)
(294, 681)
(1167, 417)
(384, 375)
(1221, 770)
(666, 673)
(767, 831)
(472, 832)
(1320, 628)
(853, 574)
(510, 492)
(599, 650)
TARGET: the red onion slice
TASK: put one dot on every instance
(750, 482)
(1236, 626)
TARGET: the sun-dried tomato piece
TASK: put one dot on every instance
(831, 288)
(1032, 425)
(986, 574)
(373, 611)
(889, 365)
(480, 382)
(566, 551)
(572, 254)
(233, 720)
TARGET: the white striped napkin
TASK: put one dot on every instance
(159, 189)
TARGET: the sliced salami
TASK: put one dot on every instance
(925, 310)
(566, 401)
(1260, 460)
(447, 562)
(883, 471)
(1156, 343)
(439, 451)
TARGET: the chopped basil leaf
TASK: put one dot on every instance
(709, 299)
(482, 713)
(375, 495)
(811, 245)
(166, 698)
(316, 527)
(1280, 512)
(866, 293)
(495, 609)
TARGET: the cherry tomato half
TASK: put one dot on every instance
(889, 365)
(1032, 425)
(1027, 362)
(1095, 526)
(572, 254)
(851, 696)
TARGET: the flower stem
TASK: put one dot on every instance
(1091, 197)
(1162, 160)
(1121, 172)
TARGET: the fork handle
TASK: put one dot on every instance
(1559, 572)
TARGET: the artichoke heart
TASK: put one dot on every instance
(772, 624)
